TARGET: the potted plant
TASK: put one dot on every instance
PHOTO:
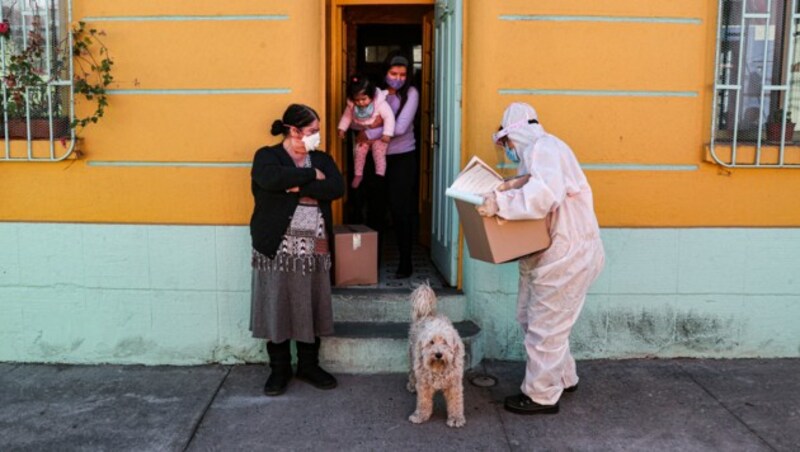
(775, 125)
(29, 98)
(38, 110)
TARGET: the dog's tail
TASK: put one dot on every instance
(423, 302)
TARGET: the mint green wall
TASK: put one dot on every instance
(84, 293)
(125, 294)
(724, 293)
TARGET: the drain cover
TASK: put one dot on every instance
(483, 380)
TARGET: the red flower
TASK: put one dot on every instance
(4, 28)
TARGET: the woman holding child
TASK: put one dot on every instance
(398, 189)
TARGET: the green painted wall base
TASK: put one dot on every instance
(82, 293)
(718, 293)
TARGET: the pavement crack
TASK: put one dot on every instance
(725, 407)
(497, 410)
(202, 416)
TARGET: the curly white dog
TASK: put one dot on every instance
(436, 355)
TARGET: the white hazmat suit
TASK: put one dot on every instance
(553, 283)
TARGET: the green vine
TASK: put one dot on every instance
(92, 71)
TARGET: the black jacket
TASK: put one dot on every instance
(273, 172)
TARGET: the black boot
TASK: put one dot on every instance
(280, 361)
(308, 366)
(404, 231)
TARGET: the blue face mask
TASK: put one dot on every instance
(395, 83)
(511, 154)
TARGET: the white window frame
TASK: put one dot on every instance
(735, 92)
(58, 148)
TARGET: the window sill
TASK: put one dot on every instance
(746, 154)
(16, 149)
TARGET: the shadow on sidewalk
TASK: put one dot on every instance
(620, 405)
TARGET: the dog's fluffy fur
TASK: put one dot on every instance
(436, 355)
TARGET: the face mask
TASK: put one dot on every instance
(364, 112)
(395, 83)
(311, 142)
(511, 154)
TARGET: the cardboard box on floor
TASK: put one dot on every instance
(492, 239)
(356, 254)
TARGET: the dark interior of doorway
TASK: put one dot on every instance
(369, 44)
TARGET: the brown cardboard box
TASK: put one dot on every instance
(493, 239)
(356, 254)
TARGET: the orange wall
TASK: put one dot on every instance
(569, 54)
(499, 54)
(178, 54)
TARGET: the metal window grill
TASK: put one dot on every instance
(756, 84)
(37, 74)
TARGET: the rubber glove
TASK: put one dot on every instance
(489, 207)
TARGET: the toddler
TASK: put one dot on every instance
(365, 103)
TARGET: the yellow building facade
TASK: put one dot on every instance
(698, 252)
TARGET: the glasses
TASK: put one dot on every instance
(503, 133)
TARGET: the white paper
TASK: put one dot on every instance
(476, 179)
(463, 196)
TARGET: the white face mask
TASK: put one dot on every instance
(311, 142)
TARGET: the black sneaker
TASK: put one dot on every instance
(522, 404)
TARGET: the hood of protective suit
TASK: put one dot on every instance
(515, 123)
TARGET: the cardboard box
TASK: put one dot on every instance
(356, 254)
(493, 239)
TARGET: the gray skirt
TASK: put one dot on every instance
(291, 293)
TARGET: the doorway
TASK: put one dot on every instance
(361, 38)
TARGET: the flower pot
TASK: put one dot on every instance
(774, 131)
(40, 128)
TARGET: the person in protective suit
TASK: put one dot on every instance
(552, 283)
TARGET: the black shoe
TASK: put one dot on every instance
(308, 368)
(403, 271)
(316, 376)
(278, 381)
(571, 388)
(522, 404)
(280, 361)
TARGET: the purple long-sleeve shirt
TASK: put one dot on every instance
(403, 140)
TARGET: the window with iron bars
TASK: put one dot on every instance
(37, 87)
(757, 84)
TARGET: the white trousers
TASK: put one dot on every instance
(552, 290)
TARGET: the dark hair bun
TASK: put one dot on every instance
(278, 128)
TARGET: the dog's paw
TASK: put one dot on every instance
(417, 418)
(456, 421)
(412, 388)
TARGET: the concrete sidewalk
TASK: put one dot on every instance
(620, 405)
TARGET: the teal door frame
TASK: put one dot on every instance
(446, 154)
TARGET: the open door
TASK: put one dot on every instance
(336, 81)
(446, 132)
(426, 132)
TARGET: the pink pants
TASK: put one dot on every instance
(378, 155)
